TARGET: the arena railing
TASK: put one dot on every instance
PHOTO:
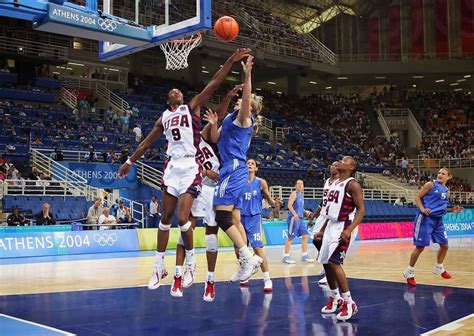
(402, 113)
(404, 58)
(435, 163)
(59, 188)
(32, 48)
(381, 184)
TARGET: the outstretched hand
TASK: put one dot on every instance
(235, 91)
(210, 116)
(247, 66)
(240, 54)
(123, 170)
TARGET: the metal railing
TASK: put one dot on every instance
(416, 125)
(114, 100)
(32, 48)
(403, 58)
(434, 163)
(281, 133)
(384, 125)
(317, 193)
(149, 175)
(39, 187)
(381, 184)
(264, 122)
(327, 54)
(68, 98)
(395, 112)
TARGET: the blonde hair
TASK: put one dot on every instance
(256, 103)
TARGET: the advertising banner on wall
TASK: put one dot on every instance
(103, 175)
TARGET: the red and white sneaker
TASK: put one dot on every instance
(441, 271)
(332, 305)
(244, 283)
(209, 291)
(177, 287)
(410, 277)
(268, 286)
(155, 279)
(188, 276)
(348, 310)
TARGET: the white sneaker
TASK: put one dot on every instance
(410, 277)
(323, 281)
(176, 289)
(321, 272)
(249, 267)
(332, 305)
(209, 291)
(348, 310)
(236, 276)
(307, 259)
(158, 274)
(268, 286)
(288, 260)
(188, 276)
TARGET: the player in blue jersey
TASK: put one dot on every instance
(233, 141)
(432, 200)
(250, 206)
(296, 225)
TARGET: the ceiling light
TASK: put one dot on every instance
(439, 80)
(78, 64)
(279, 92)
(111, 69)
(271, 83)
(56, 73)
(205, 71)
(461, 80)
(258, 89)
(458, 89)
(418, 77)
(341, 77)
(414, 85)
(203, 67)
(313, 82)
(235, 72)
(380, 77)
(467, 76)
(454, 84)
(328, 87)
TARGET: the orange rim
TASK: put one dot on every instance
(199, 35)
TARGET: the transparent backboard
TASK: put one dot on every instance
(164, 20)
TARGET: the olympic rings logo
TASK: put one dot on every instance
(105, 239)
(107, 24)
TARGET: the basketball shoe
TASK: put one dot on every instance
(288, 260)
(244, 283)
(209, 291)
(268, 286)
(176, 289)
(323, 281)
(348, 310)
(409, 275)
(188, 276)
(333, 304)
(158, 274)
(247, 268)
(307, 259)
(439, 270)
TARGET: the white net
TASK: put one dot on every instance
(177, 51)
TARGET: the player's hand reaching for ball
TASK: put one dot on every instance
(240, 53)
(124, 170)
(247, 66)
(235, 91)
(211, 117)
(426, 211)
(345, 235)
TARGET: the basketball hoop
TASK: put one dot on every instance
(177, 51)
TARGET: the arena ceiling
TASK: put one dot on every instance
(307, 15)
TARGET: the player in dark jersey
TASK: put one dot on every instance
(433, 201)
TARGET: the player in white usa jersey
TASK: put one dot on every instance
(180, 124)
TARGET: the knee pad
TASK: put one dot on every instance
(317, 243)
(185, 227)
(224, 219)
(164, 227)
(180, 241)
(211, 243)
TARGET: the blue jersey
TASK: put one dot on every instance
(234, 141)
(252, 198)
(436, 199)
(298, 206)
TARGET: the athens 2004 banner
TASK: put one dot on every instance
(103, 175)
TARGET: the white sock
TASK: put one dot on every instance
(286, 254)
(190, 257)
(347, 296)
(210, 276)
(335, 293)
(304, 254)
(178, 271)
(439, 265)
(159, 258)
(266, 276)
(245, 253)
(411, 269)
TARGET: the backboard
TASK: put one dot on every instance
(164, 20)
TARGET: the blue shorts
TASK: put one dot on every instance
(429, 227)
(253, 229)
(232, 178)
(296, 228)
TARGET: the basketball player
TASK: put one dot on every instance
(432, 200)
(296, 225)
(180, 124)
(250, 206)
(234, 138)
(202, 209)
(345, 210)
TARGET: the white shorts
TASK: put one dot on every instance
(332, 249)
(319, 223)
(202, 206)
(182, 176)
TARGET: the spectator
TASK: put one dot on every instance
(57, 155)
(35, 174)
(16, 219)
(123, 214)
(154, 212)
(94, 212)
(114, 208)
(91, 156)
(45, 217)
(404, 166)
(398, 202)
(138, 133)
(275, 213)
(106, 219)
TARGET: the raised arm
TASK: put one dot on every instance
(210, 132)
(223, 107)
(244, 113)
(142, 147)
(424, 190)
(201, 98)
(266, 193)
(355, 191)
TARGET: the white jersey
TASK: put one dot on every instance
(182, 131)
(340, 205)
(208, 160)
(324, 201)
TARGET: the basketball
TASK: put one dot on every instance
(226, 29)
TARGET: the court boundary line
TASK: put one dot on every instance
(67, 333)
(441, 328)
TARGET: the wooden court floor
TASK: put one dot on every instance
(382, 260)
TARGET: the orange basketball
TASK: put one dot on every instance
(226, 29)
